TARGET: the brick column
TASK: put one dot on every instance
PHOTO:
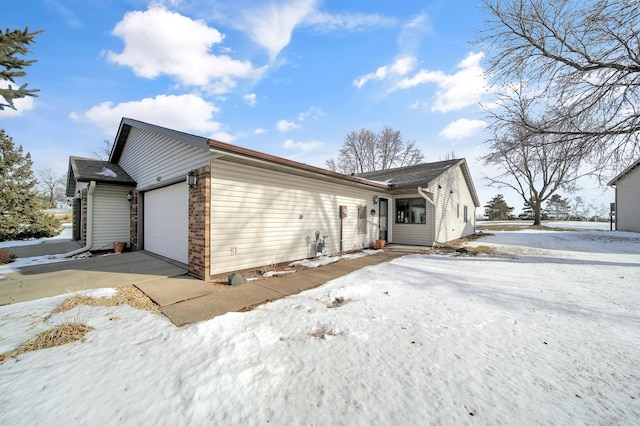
(77, 213)
(133, 221)
(83, 224)
(199, 225)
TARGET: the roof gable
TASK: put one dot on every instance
(125, 128)
(422, 175)
(418, 174)
(622, 175)
(89, 169)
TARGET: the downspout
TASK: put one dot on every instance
(430, 201)
(92, 187)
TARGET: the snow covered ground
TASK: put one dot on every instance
(546, 331)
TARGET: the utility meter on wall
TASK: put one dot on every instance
(343, 211)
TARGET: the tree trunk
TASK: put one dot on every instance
(537, 212)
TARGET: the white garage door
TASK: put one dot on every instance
(166, 222)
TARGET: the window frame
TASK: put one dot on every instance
(362, 220)
(411, 203)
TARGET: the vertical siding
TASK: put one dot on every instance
(453, 195)
(256, 216)
(628, 202)
(153, 160)
(420, 234)
(110, 216)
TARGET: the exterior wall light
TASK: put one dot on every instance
(192, 179)
(375, 200)
(130, 196)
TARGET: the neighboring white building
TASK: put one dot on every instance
(627, 185)
(219, 208)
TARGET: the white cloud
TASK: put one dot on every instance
(302, 146)
(250, 99)
(259, 131)
(455, 91)
(401, 66)
(286, 125)
(323, 21)
(462, 129)
(313, 113)
(158, 41)
(271, 25)
(412, 33)
(22, 105)
(188, 113)
(419, 105)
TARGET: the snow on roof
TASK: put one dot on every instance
(107, 172)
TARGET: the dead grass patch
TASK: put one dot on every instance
(6, 256)
(482, 250)
(62, 334)
(127, 295)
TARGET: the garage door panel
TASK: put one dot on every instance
(166, 222)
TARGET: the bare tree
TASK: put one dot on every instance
(534, 165)
(365, 151)
(51, 184)
(582, 59)
(451, 155)
(104, 152)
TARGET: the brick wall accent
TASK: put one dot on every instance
(133, 221)
(199, 225)
(77, 212)
(83, 225)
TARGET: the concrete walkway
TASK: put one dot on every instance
(185, 300)
(51, 279)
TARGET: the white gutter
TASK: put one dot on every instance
(92, 187)
(430, 201)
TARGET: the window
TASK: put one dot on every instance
(411, 210)
(362, 219)
(458, 210)
(466, 217)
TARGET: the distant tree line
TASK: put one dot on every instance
(557, 208)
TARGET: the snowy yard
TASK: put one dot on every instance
(545, 331)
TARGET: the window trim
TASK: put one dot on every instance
(362, 220)
(413, 202)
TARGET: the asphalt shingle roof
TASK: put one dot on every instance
(88, 169)
(419, 174)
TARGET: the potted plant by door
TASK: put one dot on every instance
(380, 244)
(119, 246)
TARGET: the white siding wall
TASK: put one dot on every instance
(153, 160)
(80, 186)
(255, 216)
(628, 202)
(420, 234)
(111, 213)
(450, 200)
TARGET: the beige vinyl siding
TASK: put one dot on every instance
(154, 160)
(450, 199)
(628, 202)
(261, 217)
(111, 213)
(420, 234)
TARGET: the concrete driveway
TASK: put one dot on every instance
(34, 282)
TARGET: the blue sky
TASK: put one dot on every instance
(286, 77)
